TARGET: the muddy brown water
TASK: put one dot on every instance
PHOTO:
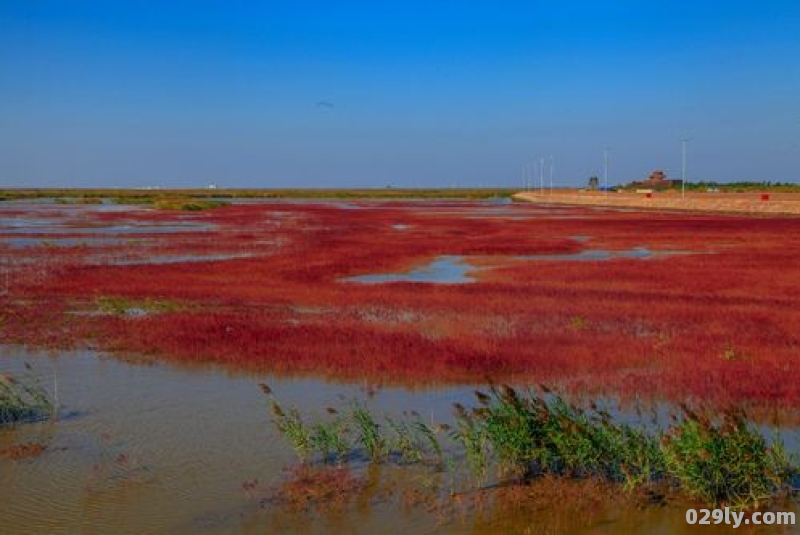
(173, 449)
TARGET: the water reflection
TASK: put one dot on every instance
(158, 448)
(166, 449)
(174, 259)
(455, 269)
(593, 255)
(37, 218)
(442, 270)
(21, 243)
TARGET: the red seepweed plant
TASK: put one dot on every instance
(681, 305)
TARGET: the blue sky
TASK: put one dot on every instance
(412, 94)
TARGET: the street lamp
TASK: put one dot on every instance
(541, 176)
(683, 166)
(525, 177)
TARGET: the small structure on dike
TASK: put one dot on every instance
(658, 181)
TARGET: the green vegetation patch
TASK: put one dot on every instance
(23, 400)
(144, 196)
(124, 306)
(79, 200)
(353, 431)
(188, 205)
(722, 460)
(724, 463)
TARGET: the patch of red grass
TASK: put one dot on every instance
(322, 489)
(720, 326)
(23, 451)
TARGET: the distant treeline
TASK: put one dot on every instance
(150, 195)
(727, 187)
(743, 187)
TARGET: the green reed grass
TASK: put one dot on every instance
(404, 441)
(471, 434)
(414, 441)
(330, 439)
(290, 424)
(369, 432)
(425, 435)
(538, 434)
(723, 461)
(23, 400)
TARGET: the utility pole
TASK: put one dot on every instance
(552, 162)
(605, 169)
(525, 177)
(683, 166)
(541, 175)
(531, 176)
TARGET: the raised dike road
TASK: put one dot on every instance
(747, 203)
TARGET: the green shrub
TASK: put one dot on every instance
(23, 400)
(722, 462)
(726, 462)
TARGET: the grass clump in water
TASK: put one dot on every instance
(330, 438)
(23, 400)
(290, 424)
(723, 461)
(369, 432)
(544, 434)
(354, 432)
(413, 440)
(472, 435)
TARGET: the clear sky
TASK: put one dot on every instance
(439, 93)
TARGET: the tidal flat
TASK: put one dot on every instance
(155, 364)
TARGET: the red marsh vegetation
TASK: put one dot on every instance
(667, 306)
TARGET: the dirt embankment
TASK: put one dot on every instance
(752, 203)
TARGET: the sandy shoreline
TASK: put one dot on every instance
(746, 203)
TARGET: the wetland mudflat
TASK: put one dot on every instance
(184, 444)
(149, 447)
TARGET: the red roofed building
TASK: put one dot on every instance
(658, 180)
